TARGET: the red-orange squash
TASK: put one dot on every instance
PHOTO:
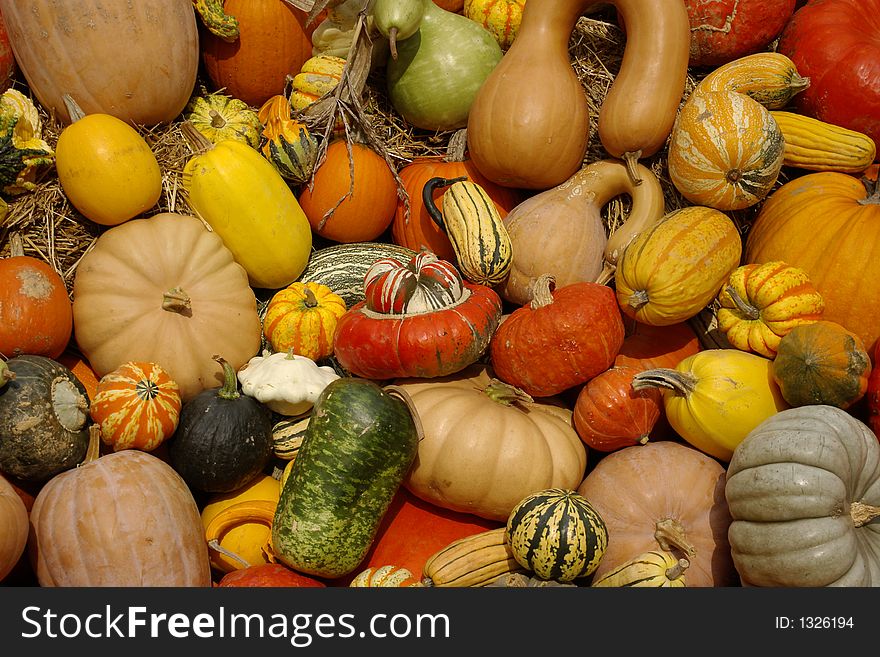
(137, 406)
(610, 415)
(271, 575)
(14, 520)
(646, 346)
(345, 210)
(273, 41)
(563, 338)
(36, 315)
(841, 217)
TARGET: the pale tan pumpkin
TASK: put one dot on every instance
(14, 520)
(487, 445)
(663, 495)
(165, 290)
(123, 519)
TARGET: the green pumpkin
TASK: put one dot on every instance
(441, 61)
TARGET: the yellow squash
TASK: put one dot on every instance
(244, 199)
(654, 569)
(715, 397)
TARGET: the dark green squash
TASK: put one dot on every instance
(557, 534)
(360, 442)
(44, 412)
(223, 438)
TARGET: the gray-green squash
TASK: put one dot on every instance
(803, 489)
(360, 443)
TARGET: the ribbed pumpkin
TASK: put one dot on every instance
(413, 226)
(125, 519)
(715, 397)
(760, 304)
(273, 40)
(137, 406)
(35, 309)
(147, 65)
(821, 363)
(557, 534)
(610, 415)
(563, 338)
(303, 317)
(725, 150)
(827, 224)
(289, 145)
(646, 346)
(352, 198)
(500, 17)
(673, 269)
(219, 117)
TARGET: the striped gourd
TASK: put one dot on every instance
(287, 436)
(422, 285)
(557, 534)
(770, 78)
(475, 560)
(654, 569)
(342, 267)
(482, 246)
(819, 146)
(725, 150)
(318, 76)
(384, 577)
(289, 145)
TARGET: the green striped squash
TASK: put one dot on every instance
(342, 267)
(725, 151)
(557, 534)
(482, 245)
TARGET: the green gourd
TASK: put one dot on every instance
(438, 61)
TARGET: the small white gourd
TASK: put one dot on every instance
(287, 383)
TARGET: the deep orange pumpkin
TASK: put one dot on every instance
(563, 338)
(268, 575)
(273, 42)
(76, 363)
(36, 314)
(137, 406)
(347, 212)
(417, 229)
(647, 346)
(610, 415)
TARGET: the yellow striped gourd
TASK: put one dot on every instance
(653, 569)
(820, 146)
(769, 78)
(470, 218)
(475, 560)
(557, 534)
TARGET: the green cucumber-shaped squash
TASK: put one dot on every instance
(359, 445)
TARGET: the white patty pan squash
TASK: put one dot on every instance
(287, 383)
(803, 490)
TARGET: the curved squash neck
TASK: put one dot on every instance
(544, 21)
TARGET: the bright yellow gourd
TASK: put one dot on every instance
(246, 201)
(106, 169)
(715, 397)
(658, 569)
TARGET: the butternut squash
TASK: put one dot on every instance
(529, 124)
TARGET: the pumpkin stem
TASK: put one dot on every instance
(93, 451)
(676, 571)
(734, 176)
(630, 159)
(607, 273)
(506, 394)
(392, 42)
(217, 120)
(6, 374)
(638, 299)
(670, 534)
(74, 110)
(176, 300)
(230, 380)
(681, 383)
(428, 197)
(197, 142)
(311, 300)
(873, 189)
(229, 554)
(455, 149)
(16, 245)
(747, 309)
(863, 513)
(542, 291)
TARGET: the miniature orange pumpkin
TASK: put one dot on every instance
(303, 317)
(137, 406)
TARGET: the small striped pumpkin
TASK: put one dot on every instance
(557, 534)
(725, 151)
(385, 577)
(303, 317)
(500, 17)
(424, 284)
(654, 569)
(137, 406)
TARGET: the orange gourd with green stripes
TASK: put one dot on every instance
(303, 317)
(137, 406)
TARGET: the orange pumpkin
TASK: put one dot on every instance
(821, 363)
(827, 224)
(14, 520)
(36, 315)
(415, 229)
(345, 210)
(82, 370)
(303, 317)
(137, 406)
(273, 41)
(646, 346)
